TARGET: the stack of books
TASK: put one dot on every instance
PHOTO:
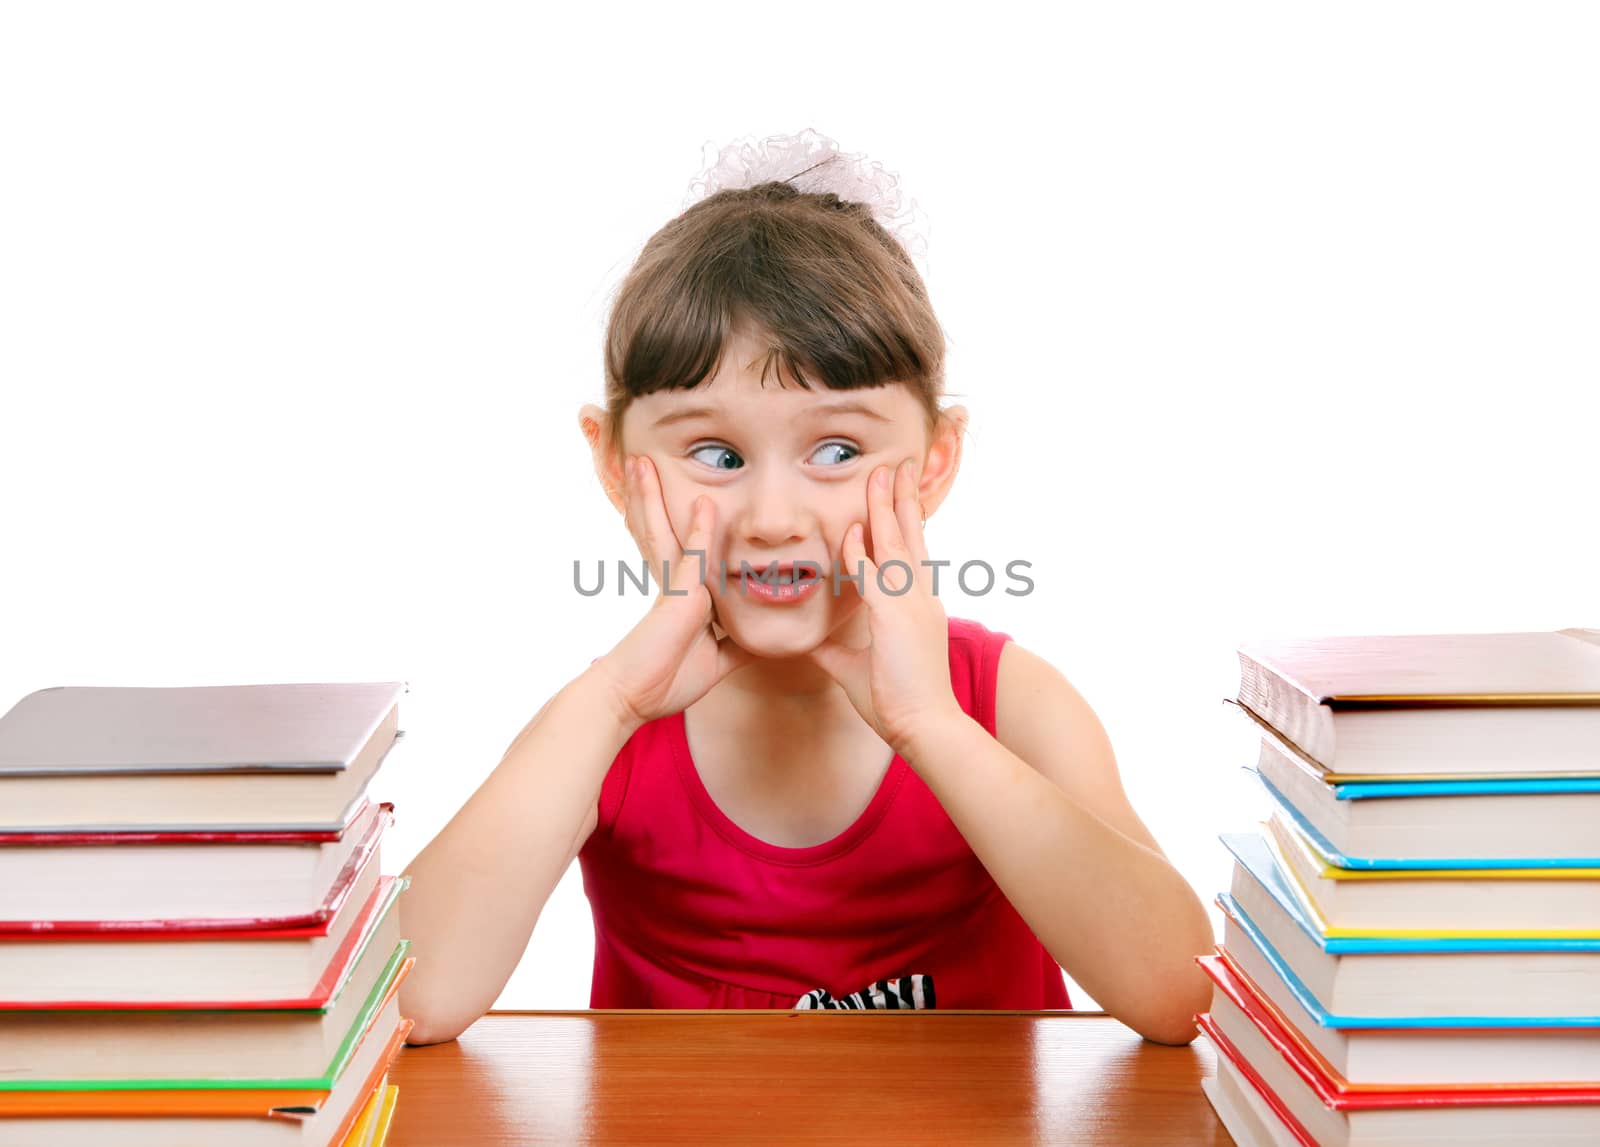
(196, 944)
(1411, 947)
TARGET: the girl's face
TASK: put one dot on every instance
(787, 469)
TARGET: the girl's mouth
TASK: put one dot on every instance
(787, 586)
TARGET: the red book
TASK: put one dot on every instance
(1262, 1070)
(164, 882)
(1336, 1091)
(208, 966)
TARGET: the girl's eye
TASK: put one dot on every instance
(725, 458)
(850, 451)
(722, 463)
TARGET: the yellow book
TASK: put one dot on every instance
(360, 1133)
(1439, 903)
(381, 1132)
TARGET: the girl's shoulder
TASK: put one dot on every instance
(975, 667)
(971, 638)
(970, 631)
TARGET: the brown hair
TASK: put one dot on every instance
(832, 293)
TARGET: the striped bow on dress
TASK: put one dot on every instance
(915, 991)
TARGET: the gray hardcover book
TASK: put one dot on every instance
(119, 758)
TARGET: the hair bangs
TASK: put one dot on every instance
(833, 298)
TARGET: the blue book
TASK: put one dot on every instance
(1343, 860)
(1303, 995)
(1485, 786)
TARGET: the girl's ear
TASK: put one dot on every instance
(943, 458)
(608, 464)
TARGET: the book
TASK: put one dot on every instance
(191, 968)
(1234, 986)
(1399, 773)
(39, 1045)
(364, 846)
(1413, 856)
(1425, 982)
(239, 1117)
(371, 1128)
(360, 1133)
(1411, 945)
(380, 1130)
(218, 1072)
(1370, 1050)
(1456, 704)
(1434, 902)
(211, 758)
(1543, 820)
(1310, 1111)
(93, 881)
(1244, 1113)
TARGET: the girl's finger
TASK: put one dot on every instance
(633, 510)
(690, 567)
(908, 513)
(888, 543)
(657, 526)
(853, 552)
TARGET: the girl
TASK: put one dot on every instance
(785, 789)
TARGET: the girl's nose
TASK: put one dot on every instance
(773, 514)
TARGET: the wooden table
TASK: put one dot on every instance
(771, 1077)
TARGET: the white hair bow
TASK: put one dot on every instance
(812, 163)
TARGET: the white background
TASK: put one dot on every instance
(1272, 319)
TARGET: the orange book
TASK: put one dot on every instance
(209, 1118)
(363, 1130)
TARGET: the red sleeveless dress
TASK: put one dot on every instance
(691, 911)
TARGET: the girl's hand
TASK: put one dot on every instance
(900, 683)
(670, 659)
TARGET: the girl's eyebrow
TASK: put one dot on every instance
(849, 406)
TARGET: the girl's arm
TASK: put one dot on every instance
(1043, 808)
(478, 887)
